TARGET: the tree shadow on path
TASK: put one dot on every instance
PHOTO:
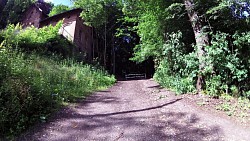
(145, 124)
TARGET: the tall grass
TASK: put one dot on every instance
(32, 86)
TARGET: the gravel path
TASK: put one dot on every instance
(136, 111)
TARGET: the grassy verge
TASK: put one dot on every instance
(236, 107)
(32, 86)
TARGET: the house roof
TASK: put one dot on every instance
(61, 14)
(43, 7)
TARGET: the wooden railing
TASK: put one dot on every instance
(135, 76)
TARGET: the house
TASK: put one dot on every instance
(73, 27)
(35, 13)
(74, 30)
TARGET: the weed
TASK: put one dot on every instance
(33, 86)
(201, 103)
(224, 107)
(162, 96)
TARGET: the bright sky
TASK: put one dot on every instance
(64, 2)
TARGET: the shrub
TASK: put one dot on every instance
(43, 40)
(31, 81)
(177, 68)
(226, 68)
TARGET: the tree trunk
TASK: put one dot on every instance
(201, 39)
(93, 45)
(105, 46)
(113, 50)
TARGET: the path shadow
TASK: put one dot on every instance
(99, 97)
(156, 87)
(130, 111)
(140, 125)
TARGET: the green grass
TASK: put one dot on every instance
(33, 86)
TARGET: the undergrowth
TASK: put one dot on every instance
(226, 65)
(235, 107)
(33, 86)
(35, 80)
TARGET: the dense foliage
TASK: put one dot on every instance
(34, 81)
(168, 34)
(13, 11)
(45, 39)
(58, 9)
(197, 46)
(105, 16)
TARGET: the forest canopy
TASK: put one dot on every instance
(198, 46)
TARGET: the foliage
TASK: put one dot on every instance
(58, 9)
(226, 70)
(96, 13)
(166, 34)
(177, 68)
(224, 67)
(13, 10)
(31, 76)
(234, 107)
(44, 39)
(106, 17)
(32, 86)
(149, 16)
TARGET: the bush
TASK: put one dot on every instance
(43, 40)
(226, 65)
(226, 69)
(32, 86)
(175, 83)
(177, 68)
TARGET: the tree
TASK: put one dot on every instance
(149, 23)
(13, 10)
(190, 40)
(58, 9)
(201, 39)
(103, 15)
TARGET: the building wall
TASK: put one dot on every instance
(74, 30)
(84, 38)
(68, 27)
(32, 17)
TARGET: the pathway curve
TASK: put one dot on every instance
(136, 111)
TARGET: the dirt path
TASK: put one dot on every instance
(137, 110)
